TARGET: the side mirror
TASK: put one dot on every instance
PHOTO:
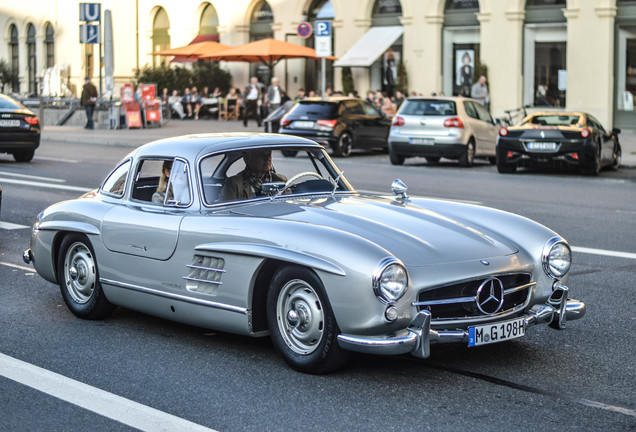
(399, 188)
(616, 131)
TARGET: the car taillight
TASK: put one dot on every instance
(397, 121)
(503, 131)
(32, 120)
(453, 122)
(328, 123)
(585, 132)
(284, 121)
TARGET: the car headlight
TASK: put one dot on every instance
(390, 280)
(556, 258)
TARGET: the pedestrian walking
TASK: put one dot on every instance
(479, 91)
(252, 95)
(88, 101)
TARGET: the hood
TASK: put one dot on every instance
(415, 235)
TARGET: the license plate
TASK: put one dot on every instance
(9, 123)
(542, 146)
(424, 141)
(497, 332)
(303, 124)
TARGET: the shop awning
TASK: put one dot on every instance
(370, 46)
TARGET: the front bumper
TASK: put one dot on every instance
(417, 338)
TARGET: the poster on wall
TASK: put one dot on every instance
(464, 70)
(390, 60)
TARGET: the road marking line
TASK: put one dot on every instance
(43, 185)
(32, 177)
(604, 252)
(106, 404)
(52, 159)
(30, 269)
(11, 226)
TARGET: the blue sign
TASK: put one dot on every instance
(90, 12)
(304, 30)
(89, 34)
(323, 28)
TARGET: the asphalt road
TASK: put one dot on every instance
(133, 371)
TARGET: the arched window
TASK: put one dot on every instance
(386, 12)
(261, 28)
(49, 45)
(160, 35)
(461, 46)
(319, 10)
(209, 24)
(14, 52)
(31, 63)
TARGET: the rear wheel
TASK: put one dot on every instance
(433, 159)
(502, 166)
(24, 156)
(301, 323)
(79, 279)
(617, 158)
(593, 167)
(289, 153)
(344, 145)
(468, 157)
(396, 159)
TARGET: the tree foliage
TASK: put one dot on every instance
(402, 78)
(202, 74)
(347, 81)
(7, 74)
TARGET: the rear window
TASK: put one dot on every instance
(315, 109)
(429, 107)
(8, 104)
(554, 120)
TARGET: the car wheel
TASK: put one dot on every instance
(301, 323)
(433, 159)
(79, 279)
(396, 159)
(492, 160)
(289, 153)
(344, 145)
(593, 167)
(502, 166)
(24, 156)
(467, 158)
(618, 158)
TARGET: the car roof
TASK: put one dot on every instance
(450, 98)
(191, 146)
(332, 99)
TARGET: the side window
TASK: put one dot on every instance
(115, 183)
(212, 177)
(470, 109)
(482, 113)
(370, 110)
(352, 108)
(178, 192)
(151, 180)
(595, 124)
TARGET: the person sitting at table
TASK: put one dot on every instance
(232, 100)
(186, 101)
(196, 103)
(174, 102)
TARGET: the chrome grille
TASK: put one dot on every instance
(457, 301)
(204, 274)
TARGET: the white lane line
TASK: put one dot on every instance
(106, 404)
(32, 177)
(11, 226)
(52, 159)
(30, 269)
(604, 252)
(43, 185)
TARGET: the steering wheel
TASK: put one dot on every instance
(299, 175)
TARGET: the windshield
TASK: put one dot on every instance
(9, 104)
(264, 172)
(320, 109)
(554, 120)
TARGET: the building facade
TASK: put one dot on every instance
(547, 54)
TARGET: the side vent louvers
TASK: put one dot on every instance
(204, 274)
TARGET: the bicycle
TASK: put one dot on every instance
(166, 114)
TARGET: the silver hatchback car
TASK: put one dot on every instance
(435, 127)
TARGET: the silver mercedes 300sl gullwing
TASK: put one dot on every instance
(204, 230)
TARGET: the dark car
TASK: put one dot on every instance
(340, 122)
(19, 129)
(558, 138)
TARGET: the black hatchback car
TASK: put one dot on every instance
(342, 123)
(19, 129)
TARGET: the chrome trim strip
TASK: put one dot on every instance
(205, 268)
(468, 299)
(520, 287)
(202, 280)
(178, 297)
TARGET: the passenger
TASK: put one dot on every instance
(249, 182)
(160, 195)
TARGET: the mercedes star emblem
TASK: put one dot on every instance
(490, 296)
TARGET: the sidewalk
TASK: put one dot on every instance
(137, 137)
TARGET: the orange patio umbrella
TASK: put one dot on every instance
(268, 51)
(195, 50)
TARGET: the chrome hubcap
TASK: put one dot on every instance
(300, 317)
(79, 272)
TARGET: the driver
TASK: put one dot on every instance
(249, 182)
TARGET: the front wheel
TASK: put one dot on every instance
(24, 156)
(301, 323)
(79, 279)
(616, 163)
